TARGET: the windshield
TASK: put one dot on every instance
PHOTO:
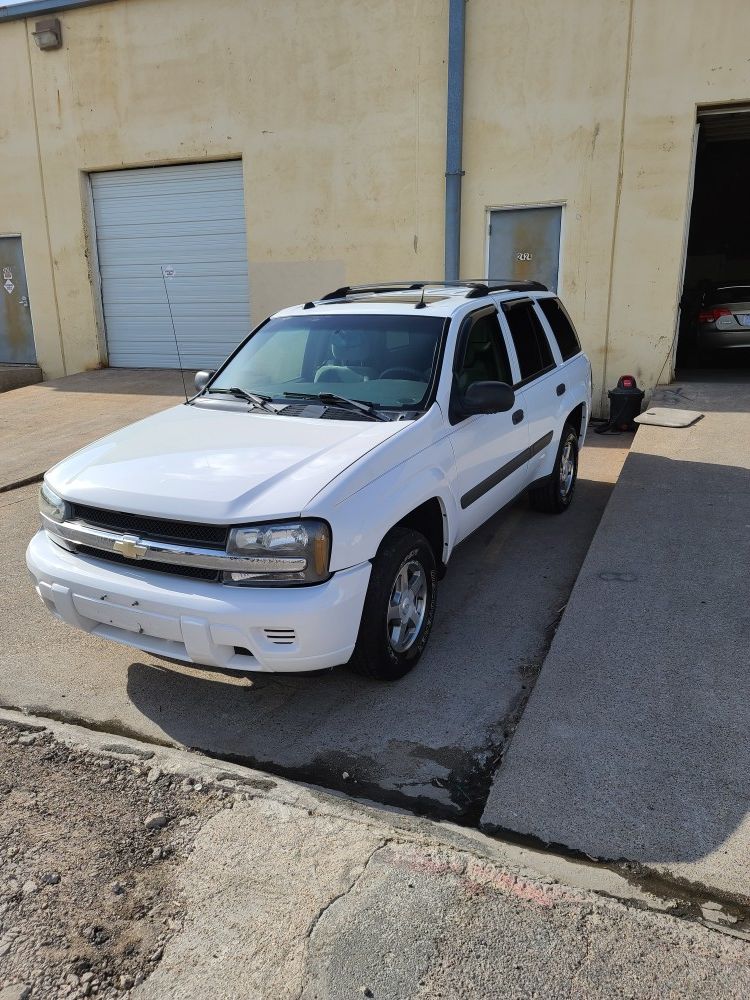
(381, 359)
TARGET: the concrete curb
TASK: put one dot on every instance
(523, 862)
(7, 487)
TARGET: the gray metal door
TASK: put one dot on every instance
(16, 333)
(172, 238)
(525, 244)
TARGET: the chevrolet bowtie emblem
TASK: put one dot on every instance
(130, 547)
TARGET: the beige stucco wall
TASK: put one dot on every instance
(338, 112)
(684, 54)
(338, 118)
(543, 115)
(22, 204)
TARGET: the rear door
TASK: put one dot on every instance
(539, 387)
(490, 448)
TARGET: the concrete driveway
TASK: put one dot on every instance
(635, 742)
(429, 742)
(40, 424)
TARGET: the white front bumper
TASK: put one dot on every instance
(282, 628)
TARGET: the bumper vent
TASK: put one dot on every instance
(280, 636)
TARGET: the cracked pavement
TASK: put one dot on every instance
(312, 900)
(294, 893)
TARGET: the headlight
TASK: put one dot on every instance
(294, 552)
(51, 505)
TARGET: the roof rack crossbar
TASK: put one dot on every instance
(478, 287)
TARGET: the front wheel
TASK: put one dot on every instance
(556, 495)
(399, 607)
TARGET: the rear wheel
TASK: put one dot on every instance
(399, 607)
(556, 495)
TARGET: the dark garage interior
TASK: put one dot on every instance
(716, 288)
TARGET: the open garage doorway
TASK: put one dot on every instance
(714, 331)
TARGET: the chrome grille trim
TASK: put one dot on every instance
(181, 532)
(74, 533)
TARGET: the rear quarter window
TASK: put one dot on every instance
(561, 326)
(529, 339)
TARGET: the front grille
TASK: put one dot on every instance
(195, 572)
(153, 527)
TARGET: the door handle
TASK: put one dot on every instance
(518, 416)
(560, 390)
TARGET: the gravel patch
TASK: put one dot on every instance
(89, 846)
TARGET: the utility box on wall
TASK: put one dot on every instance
(524, 244)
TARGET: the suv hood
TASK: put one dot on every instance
(216, 465)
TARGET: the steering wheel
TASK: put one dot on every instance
(402, 372)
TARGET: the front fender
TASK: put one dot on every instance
(361, 521)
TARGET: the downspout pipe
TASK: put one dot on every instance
(454, 137)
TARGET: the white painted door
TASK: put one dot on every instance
(172, 248)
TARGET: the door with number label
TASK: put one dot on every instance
(524, 244)
(16, 333)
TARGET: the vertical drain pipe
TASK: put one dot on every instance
(454, 137)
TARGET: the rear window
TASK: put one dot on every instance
(529, 339)
(562, 328)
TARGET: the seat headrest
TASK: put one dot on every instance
(349, 347)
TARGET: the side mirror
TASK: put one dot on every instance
(488, 397)
(202, 378)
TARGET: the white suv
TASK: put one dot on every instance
(298, 511)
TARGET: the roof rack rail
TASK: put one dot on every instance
(478, 287)
(385, 286)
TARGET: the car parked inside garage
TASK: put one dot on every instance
(724, 320)
(298, 511)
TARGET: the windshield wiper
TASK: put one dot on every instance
(332, 399)
(256, 398)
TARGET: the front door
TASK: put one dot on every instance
(490, 449)
(16, 334)
(525, 244)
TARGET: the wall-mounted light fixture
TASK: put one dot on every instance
(48, 33)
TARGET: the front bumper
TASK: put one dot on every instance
(281, 629)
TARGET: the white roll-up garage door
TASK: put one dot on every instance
(172, 237)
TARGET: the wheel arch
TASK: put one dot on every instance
(578, 419)
(431, 520)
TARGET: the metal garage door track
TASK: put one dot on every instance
(634, 744)
(41, 424)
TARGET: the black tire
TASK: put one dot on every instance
(555, 496)
(376, 655)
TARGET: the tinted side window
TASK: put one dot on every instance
(562, 328)
(485, 358)
(529, 340)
